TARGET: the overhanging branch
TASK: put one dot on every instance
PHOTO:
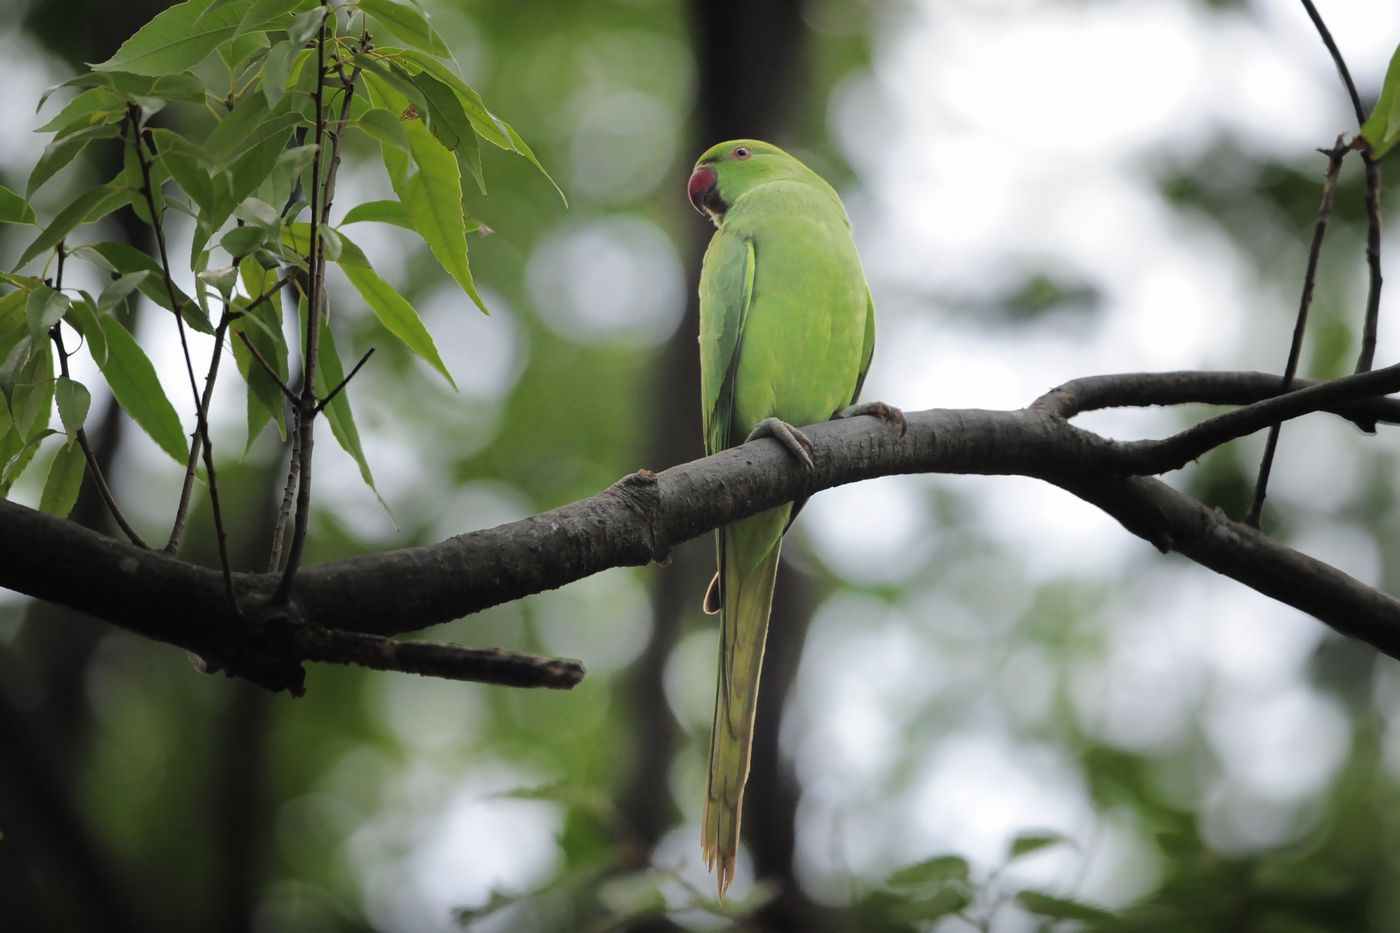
(639, 518)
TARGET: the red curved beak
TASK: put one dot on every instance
(702, 184)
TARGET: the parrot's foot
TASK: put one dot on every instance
(886, 413)
(794, 440)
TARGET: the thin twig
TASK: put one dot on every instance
(1366, 359)
(99, 481)
(436, 659)
(222, 535)
(1295, 349)
(158, 226)
(322, 193)
(1337, 60)
(1136, 390)
(201, 433)
(330, 397)
(256, 302)
(1170, 453)
(267, 368)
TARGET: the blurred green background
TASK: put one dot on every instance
(1040, 190)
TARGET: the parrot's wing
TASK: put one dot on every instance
(868, 349)
(726, 293)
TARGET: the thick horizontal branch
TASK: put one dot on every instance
(642, 516)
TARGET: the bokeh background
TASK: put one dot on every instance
(1040, 189)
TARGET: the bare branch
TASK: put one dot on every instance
(1337, 60)
(267, 368)
(1181, 387)
(330, 396)
(1160, 456)
(1366, 359)
(435, 659)
(642, 516)
(1295, 348)
(322, 193)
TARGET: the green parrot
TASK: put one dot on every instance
(787, 329)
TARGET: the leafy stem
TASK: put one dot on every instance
(94, 468)
(322, 194)
(200, 440)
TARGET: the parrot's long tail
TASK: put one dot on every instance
(747, 600)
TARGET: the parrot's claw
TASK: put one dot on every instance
(797, 443)
(886, 413)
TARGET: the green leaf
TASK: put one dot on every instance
(123, 259)
(177, 38)
(14, 209)
(329, 374)
(137, 388)
(286, 172)
(16, 464)
(393, 310)
(118, 196)
(1062, 908)
(249, 123)
(16, 358)
(267, 13)
(251, 170)
(12, 319)
(1029, 842)
(487, 125)
(31, 394)
(258, 212)
(242, 53)
(65, 480)
(1382, 128)
(384, 212)
(73, 400)
(240, 241)
(93, 106)
(937, 869)
(432, 196)
(263, 328)
(306, 25)
(222, 278)
(331, 244)
(63, 150)
(390, 77)
(384, 127)
(84, 320)
(44, 309)
(942, 901)
(187, 164)
(68, 218)
(446, 119)
(407, 23)
(277, 70)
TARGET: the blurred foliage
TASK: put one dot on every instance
(138, 795)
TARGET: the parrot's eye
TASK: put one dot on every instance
(742, 152)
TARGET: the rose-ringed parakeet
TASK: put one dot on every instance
(787, 329)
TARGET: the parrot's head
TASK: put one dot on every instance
(729, 169)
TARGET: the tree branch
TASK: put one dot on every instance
(639, 518)
(1295, 347)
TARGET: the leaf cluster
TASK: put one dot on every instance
(214, 107)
